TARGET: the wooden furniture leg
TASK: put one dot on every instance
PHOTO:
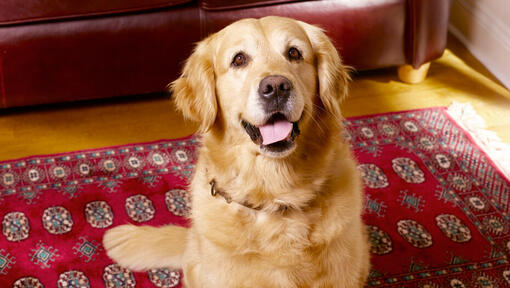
(408, 74)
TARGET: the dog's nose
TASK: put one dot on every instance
(275, 88)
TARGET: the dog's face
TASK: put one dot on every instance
(257, 81)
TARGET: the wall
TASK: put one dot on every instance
(484, 27)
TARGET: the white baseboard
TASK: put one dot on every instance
(486, 36)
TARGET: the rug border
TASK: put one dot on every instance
(476, 135)
(24, 158)
(188, 137)
(396, 112)
(473, 140)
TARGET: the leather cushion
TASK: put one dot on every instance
(95, 58)
(25, 11)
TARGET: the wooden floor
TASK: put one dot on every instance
(456, 76)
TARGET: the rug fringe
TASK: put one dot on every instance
(465, 115)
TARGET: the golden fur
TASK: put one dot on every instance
(319, 241)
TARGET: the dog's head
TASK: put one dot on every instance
(260, 81)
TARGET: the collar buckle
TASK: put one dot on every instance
(213, 189)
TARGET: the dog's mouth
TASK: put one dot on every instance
(276, 137)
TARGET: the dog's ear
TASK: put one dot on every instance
(333, 75)
(194, 92)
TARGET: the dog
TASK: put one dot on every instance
(276, 195)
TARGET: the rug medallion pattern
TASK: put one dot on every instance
(436, 209)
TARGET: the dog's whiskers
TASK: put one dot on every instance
(309, 113)
(338, 119)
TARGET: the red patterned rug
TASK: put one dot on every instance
(436, 206)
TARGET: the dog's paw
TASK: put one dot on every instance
(122, 245)
(145, 247)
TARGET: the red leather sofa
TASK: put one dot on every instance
(56, 51)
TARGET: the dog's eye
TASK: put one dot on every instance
(239, 60)
(294, 54)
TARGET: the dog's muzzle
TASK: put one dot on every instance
(277, 133)
(276, 136)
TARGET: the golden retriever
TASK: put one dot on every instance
(276, 196)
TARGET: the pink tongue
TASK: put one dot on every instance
(275, 132)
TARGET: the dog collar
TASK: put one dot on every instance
(215, 192)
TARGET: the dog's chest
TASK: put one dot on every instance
(278, 246)
(270, 243)
(285, 236)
